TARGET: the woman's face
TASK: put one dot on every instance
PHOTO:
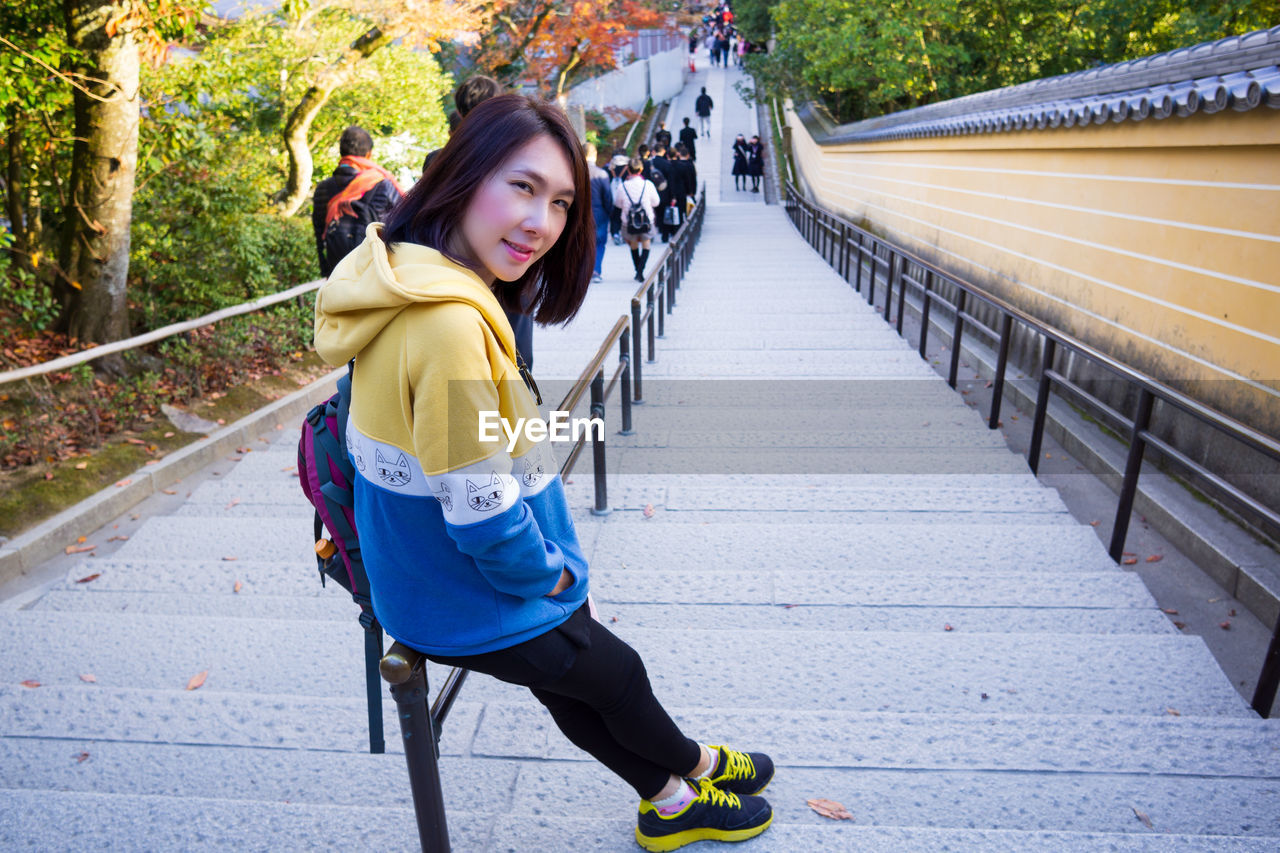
(518, 213)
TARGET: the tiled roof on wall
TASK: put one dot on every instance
(1239, 73)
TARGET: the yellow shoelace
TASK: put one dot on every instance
(740, 765)
(711, 794)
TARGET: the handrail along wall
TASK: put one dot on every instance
(871, 259)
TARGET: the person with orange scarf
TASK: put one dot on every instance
(358, 192)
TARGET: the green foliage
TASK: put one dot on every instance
(26, 298)
(872, 57)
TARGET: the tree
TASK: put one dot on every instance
(867, 58)
(553, 43)
(373, 26)
(108, 43)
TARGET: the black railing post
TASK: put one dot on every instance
(1002, 363)
(671, 291)
(1042, 404)
(857, 275)
(902, 290)
(597, 446)
(624, 356)
(844, 251)
(1137, 444)
(662, 313)
(892, 265)
(636, 345)
(1264, 695)
(927, 301)
(956, 332)
(405, 670)
(871, 274)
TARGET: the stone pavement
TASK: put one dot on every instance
(818, 549)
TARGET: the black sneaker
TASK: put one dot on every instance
(713, 815)
(742, 772)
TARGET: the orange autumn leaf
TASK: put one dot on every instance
(79, 549)
(88, 578)
(80, 540)
(1130, 561)
(88, 678)
(81, 758)
(1155, 558)
(648, 510)
(829, 809)
(30, 682)
(237, 587)
(197, 680)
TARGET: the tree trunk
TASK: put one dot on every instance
(297, 129)
(16, 191)
(95, 248)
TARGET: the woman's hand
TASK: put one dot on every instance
(566, 581)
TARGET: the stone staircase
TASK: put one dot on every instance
(819, 551)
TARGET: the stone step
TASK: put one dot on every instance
(66, 821)
(835, 442)
(513, 834)
(959, 672)
(904, 547)
(246, 500)
(311, 603)
(304, 759)
(770, 461)
(949, 800)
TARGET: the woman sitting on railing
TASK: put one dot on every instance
(470, 549)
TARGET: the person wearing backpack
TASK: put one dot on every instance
(702, 106)
(638, 199)
(357, 193)
(469, 545)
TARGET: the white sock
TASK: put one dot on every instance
(715, 762)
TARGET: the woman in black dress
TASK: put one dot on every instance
(755, 162)
(740, 170)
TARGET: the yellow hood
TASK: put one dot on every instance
(373, 284)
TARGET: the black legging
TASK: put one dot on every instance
(598, 693)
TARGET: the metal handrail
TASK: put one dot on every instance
(94, 352)
(842, 244)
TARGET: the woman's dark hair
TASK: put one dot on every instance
(553, 288)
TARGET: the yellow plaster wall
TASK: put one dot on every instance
(1156, 241)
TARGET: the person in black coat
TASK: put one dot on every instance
(689, 139)
(687, 175)
(755, 162)
(663, 164)
(740, 170)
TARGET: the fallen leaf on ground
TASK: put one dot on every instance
(1226, 626)
(244, 449)
(237, 587)
(1130, 561)
(88, 678)
(118, 538)
(1231, 612)
(168, 435)
(1146, 821)
(230, 559)
(79, 549)
(1173, 712)
(1155, 558)
(234, 501)
(80, 466)
(947, 627)
(81, 758)
(80, 540)
(122, 483)
(197, 680)
(1171, 611)
(988, 385)
(829, 809)
(88, 578)
(30, 683)
(1094, 523)
(48, 475)
(648, 510)
(1179, 625)
(170, 491)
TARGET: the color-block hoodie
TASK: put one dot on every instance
(462, 540)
